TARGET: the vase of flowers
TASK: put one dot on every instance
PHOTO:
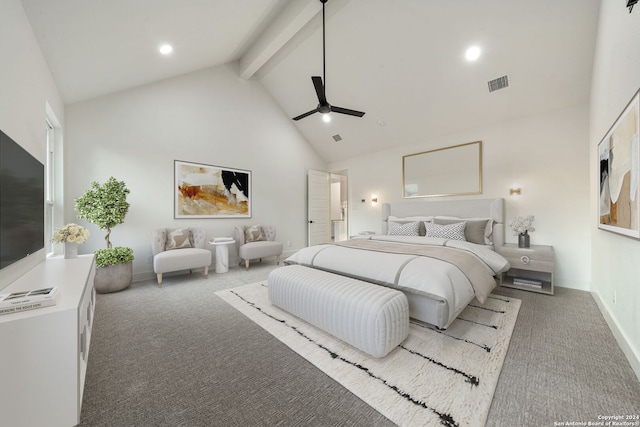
(521, 227)
(71, 235)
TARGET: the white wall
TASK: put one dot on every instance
(26, 87)
(547, 156)
(615, 262)
(211, 117)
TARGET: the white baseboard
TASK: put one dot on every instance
(632, 356)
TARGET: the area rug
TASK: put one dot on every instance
(433, 378)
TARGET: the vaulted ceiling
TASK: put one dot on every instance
(400, 61)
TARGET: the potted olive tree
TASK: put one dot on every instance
(105, 205)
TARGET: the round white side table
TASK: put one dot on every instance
(222, 253)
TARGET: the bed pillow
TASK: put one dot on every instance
(254, 234)
(477, 230)
(404, 229)
(406, 219)
(178, 239)
(450, 231)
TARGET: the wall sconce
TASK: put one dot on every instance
(374, 200)
(515, 191)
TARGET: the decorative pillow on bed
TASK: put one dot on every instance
(450, 231)
(404, 229)
(477, 230)
(406, 219)
(253, 234)
(178, 239)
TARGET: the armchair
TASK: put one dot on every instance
(257, 242)
(179, 249)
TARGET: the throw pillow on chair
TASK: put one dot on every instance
(254, 234)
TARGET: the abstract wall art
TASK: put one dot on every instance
(619, 165)
(206, 191)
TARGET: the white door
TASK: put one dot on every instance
(318, 207)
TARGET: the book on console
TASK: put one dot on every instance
(28, 300)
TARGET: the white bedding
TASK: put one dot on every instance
(416, 275)
(495, 262)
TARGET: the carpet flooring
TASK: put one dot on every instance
(180, 356)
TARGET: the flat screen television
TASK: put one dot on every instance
(21, 202)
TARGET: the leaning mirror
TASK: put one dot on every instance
(449, 171)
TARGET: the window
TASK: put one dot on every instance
(49, 187)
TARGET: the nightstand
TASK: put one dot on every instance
(531, 268)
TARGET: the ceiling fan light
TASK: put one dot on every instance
(323, 106)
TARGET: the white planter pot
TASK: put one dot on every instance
(113, 278)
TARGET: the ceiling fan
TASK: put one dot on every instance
(323, 106)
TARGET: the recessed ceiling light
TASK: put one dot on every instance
(166, 49)
(472, 53)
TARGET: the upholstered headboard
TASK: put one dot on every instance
(469, 208)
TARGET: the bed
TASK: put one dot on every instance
(440, 254)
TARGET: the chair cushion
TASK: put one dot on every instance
(261, 249)
(181, 259)
(178, 239)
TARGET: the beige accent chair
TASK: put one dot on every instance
(188, 254)
(266, 247)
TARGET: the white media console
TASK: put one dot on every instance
(44, 352)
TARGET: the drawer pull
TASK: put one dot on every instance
(525, 259)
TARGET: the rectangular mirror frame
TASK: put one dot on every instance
(462, 174)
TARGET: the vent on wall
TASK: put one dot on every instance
(499, 83)
(337, 137)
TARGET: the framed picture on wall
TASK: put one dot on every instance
(206, 191)
(619, 158)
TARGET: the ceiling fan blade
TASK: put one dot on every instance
(341, 110)
(308, 113)
(317, 84)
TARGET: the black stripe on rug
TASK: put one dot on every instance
(471, 379)
(444, 333)
(488, 309)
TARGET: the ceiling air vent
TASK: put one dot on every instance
(337, 137)
(499, 83)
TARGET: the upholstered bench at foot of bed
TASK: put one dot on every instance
(371, 318)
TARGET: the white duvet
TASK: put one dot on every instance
(495, 262)
(414, 274)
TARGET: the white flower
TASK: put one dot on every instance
(71, 233)
(522, 224)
